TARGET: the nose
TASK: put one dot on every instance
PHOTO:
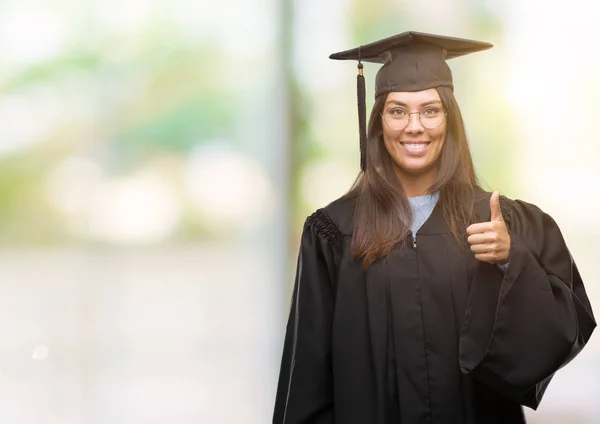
(414, 123)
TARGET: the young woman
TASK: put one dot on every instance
(420, 297)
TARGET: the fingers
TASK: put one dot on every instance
(482, 238)
(485, 227)
(492, 252)
(489, 258)
(479, 228)
(481, 248)
(490, 241)
(496, 212)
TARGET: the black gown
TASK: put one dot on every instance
(429, 334)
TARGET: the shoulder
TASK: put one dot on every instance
(515, 211)
(521, 210)
(535, 227)
(334, 220)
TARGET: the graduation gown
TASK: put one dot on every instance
(429, 334)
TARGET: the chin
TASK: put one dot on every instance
(415, 169)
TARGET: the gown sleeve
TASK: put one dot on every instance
(305, 387)
(521, 326)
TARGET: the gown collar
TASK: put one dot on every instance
(436, 224)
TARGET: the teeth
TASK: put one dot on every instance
(416, 146)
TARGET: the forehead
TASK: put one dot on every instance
(415, 98)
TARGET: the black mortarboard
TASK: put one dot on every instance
(412, 61)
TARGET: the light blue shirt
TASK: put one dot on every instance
(422, 207)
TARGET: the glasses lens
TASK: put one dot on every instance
(395, 120)
(432, 120)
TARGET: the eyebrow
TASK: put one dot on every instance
(429, 103)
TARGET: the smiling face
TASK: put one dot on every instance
(414, 149)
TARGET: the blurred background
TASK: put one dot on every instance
(158, 159)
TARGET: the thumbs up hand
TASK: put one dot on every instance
(490, 241)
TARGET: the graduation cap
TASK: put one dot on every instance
(412, 61)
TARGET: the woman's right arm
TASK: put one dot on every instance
(305, 386)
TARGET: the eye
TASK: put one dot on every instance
(397, 112)
(432, 111)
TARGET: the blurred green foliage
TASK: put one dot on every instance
(161, 94)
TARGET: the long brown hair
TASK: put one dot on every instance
(383, 215)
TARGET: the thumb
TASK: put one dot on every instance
(496, 213)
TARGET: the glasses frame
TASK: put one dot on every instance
(408, 120)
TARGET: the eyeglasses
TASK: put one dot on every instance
(397, 118)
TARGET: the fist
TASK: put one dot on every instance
(490, 241)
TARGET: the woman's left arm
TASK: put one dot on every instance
(523, 325)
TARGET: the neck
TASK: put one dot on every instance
(417, 185)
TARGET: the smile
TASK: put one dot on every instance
(415, 147)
